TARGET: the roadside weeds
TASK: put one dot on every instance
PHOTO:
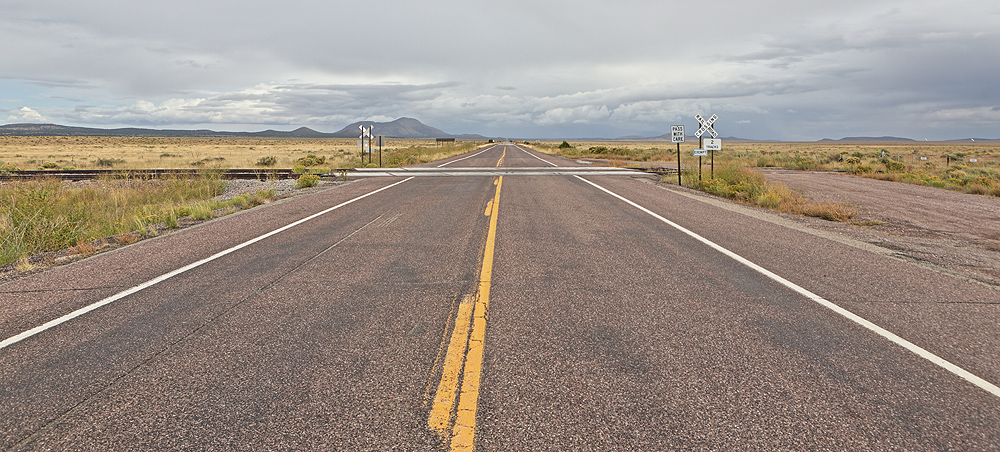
(175, 218)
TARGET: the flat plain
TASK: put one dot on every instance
(31, 153)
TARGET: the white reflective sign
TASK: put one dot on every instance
(701, 152)
(712, 144)
(676, 134)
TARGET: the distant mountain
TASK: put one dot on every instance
(883, 139)
(58, 130)
(400, 128)
(689, 138)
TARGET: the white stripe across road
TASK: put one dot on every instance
(493, 171)
(77, 313)
(892, 337)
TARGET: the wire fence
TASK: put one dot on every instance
(947, 160)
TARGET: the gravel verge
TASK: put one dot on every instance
(945, 231)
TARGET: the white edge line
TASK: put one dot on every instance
(535, 156)
(77, 313)
(468, 156)
(892, 337)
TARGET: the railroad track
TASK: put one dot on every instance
(244, 174)
(259, 174)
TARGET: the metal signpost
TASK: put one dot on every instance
(677, 136)
(380, 139)
(700, 152)
(361, 142)
(706, 126)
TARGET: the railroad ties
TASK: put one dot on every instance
(258, 174)
(265, 174)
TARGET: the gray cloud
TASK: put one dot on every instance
(520, 68)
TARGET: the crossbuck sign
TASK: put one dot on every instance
(706, 126)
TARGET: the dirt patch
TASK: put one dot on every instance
(947, 230)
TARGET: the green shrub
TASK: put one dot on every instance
(565, 145)
(769, 200)
(108, 162)
(269, 160)
(307, 180)
(894, 167)
(202, 162)
(311, 160)
(765, 162)
(608, 151)
(201, 211)
(171, 219)
(977, 189)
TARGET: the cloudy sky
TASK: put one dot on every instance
(785, 70)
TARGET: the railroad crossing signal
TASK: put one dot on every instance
(367, 133)
(706, 126)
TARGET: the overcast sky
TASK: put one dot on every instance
(785, 70)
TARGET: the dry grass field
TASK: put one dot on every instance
(146, 153)
(970, 167)
(48, 215)
(824, 155)
(965, 167)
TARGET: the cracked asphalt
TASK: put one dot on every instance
(607, 329)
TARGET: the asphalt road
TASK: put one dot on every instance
(603, 326)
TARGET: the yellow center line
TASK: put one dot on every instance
(464, 359)
(444, 398)
(464, 434)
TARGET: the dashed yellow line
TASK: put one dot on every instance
(464, 360)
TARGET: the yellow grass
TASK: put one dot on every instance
(971, 167)
(779, 152)
(146, 153)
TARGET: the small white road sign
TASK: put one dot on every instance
(712, 144)
(676, 134)
(701, 152)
